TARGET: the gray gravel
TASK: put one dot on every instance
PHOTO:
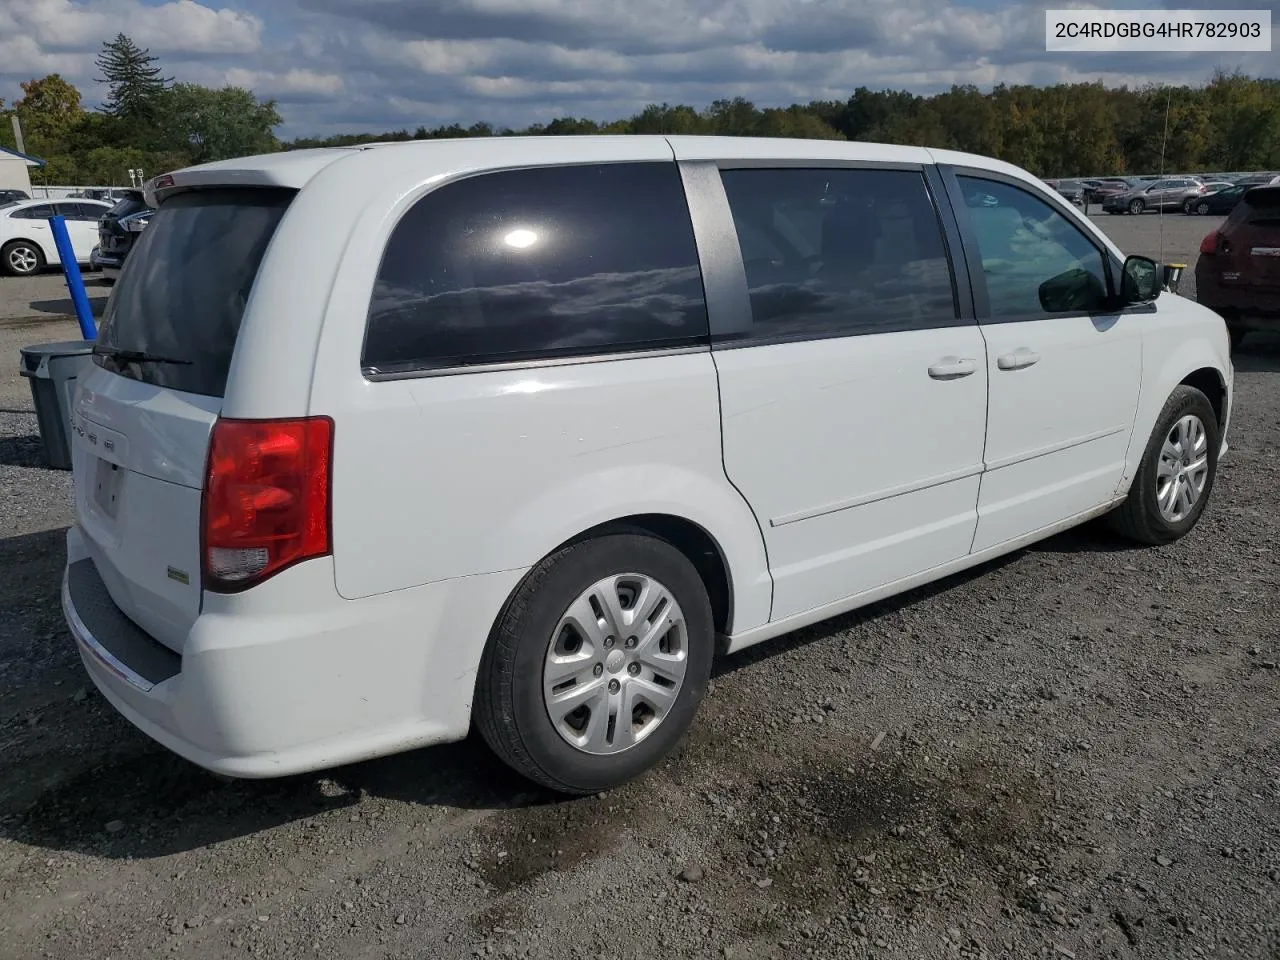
(1072, 752)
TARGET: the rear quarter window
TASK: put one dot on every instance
(538, 263)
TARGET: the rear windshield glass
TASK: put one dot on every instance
(182, 291)
(127, 205)
(1263, 207)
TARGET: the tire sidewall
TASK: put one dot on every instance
(1136, 206)
(1185, 400)
(574, 573)
(1202, 209)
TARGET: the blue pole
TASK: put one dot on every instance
(75, 282)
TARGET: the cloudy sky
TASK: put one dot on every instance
(349, 65)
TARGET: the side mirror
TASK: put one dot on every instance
(1139, 281)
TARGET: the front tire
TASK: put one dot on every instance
(597, 665)
(1173, 483)
(21, 258)
(1202, 208)
(1136, 206)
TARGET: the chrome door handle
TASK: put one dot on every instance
(1020, 359)
(952, 368)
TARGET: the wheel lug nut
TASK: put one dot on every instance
(634, 669)
(599, 669)
(631, 643)
(614, 686)
(608, 643)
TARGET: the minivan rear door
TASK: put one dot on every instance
(143, 417)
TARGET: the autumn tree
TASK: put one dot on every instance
(49, 112)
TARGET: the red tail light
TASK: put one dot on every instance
(1210, 243)
(266, 499)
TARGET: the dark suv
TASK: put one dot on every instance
(1238, 273)
(116, 232)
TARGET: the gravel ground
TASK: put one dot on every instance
(1072, 752)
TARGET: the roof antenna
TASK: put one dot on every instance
(1163, 143)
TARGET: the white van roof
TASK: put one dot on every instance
(295, 168)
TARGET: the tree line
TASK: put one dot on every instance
(148, 121)
(1232, 123)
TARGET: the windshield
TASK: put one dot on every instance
(182, 291)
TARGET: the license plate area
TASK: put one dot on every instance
(106, 487)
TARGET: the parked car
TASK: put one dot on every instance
(1098, 189)
(1073, 190)
(1210, 186)
(26, 239)
(1167, 194)
(117, 231)
(1238, 271)
(567, 416)
(1220, 201)
(8, 195)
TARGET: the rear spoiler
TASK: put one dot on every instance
(166, 185)
(290, 169)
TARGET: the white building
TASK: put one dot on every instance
(15, 170)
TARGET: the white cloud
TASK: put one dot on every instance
(179, 26)
(290, 84)
(381, 64)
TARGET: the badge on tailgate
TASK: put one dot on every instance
(106, 443)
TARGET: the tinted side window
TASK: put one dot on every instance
(835, 252)
(77, 211)
(1035, 261)
(42, 211)
(549, 262)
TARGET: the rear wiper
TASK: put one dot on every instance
(136, 356)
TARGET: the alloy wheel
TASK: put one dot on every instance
(23, 259)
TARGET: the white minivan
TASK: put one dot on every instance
(385, 441)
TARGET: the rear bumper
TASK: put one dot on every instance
(288, 677)
(108, 263)
(1246, 306)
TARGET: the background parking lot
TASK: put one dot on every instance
(1070, 752)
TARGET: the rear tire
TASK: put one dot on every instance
(21, 258)
(1157, 510)
(538, 657)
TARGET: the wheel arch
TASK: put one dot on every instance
(698, 546)
(1210, 382)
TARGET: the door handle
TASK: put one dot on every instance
(952, 368)
(1020, 359)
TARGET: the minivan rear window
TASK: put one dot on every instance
(182, 291)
